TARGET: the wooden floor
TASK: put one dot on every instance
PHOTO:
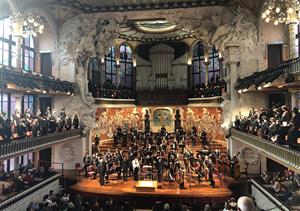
(118, 188)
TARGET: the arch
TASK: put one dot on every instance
(126, 66)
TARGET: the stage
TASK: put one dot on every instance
(165, 191)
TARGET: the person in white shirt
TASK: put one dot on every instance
(136, 168)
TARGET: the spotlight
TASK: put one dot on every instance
(240, 91)
(259, 88)
(245, 90)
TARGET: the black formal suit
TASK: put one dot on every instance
(102, 171)
(125, 167)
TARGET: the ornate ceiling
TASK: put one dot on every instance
(146, 20)
(133, 5)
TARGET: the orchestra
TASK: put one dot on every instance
(166, 156)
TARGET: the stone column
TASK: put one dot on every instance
(294, 99)
(233, 58)
(292, 31)
(16, 162)
(18, 32)
(117, 56)
(207, 63)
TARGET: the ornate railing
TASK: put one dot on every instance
(280, 153)
(267, 199)
(291, 66)
(28, 80)
(11, 148)
(113, 94)
(286, 68)
(6, 205)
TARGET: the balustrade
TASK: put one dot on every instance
(8, 149)
(280, 153)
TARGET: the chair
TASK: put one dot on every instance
(147, 172)
(78, 169)
(91, 171)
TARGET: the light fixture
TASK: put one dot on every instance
(279, 11)
(259, 88)
(245, 90)
(30, 23)
(240, 91)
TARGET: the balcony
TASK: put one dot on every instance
(13, 148)
(265, 199)
(279, 153)
(287, 69)
(35, 82)
(21, 200)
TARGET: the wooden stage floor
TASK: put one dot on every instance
(165, 190)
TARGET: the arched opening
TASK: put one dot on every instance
(126, 67)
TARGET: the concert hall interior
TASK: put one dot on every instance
(163, 105)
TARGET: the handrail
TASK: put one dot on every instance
(27, 80)
(10, 201)
(282, 154)
(288, 67)
(11, 148)
(280, 205)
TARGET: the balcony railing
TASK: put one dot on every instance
(28, 80)
(291, 66)
(26, 195)
(10, 149)
(286, 68)
(265, 199)
(280, 153)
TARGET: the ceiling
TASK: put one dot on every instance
(134, 5)
(146, 27)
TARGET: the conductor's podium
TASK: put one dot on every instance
(146, 186)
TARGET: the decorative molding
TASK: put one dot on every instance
(115, 7)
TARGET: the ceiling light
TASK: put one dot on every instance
(279, 11)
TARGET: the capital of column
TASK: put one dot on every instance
(232, 53)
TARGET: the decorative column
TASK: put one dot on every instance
(118, 73)
(207, 63)
(294, 98)
(102, 71)
(292, 31)
(222, 73)
(189, 74)
(18, 32)
(134, 75)
(233, 59)
(16, 163)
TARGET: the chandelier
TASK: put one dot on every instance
(31, 24)
(279, 11)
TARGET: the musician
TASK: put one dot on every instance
(180, 177)
(125, 136)
(210, 167)
(194, 135)
(203, 138)
(102, 171)
(86, 163)
(125, 166)
(160, 168)
(136, 168)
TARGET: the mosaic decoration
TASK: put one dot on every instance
(208, 119)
